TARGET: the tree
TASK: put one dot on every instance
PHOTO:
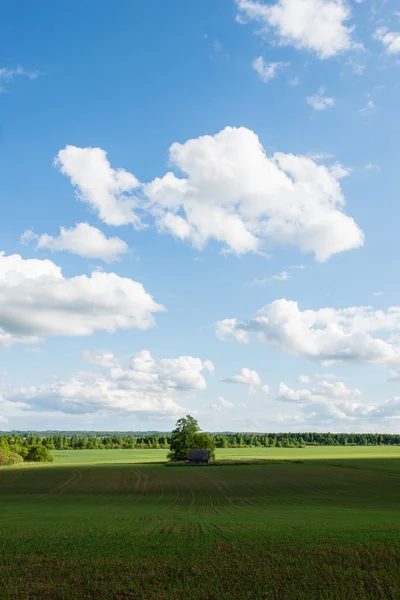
(3, 458)
(181, 437)
(203, 442)
(13, 459)
(39, 453)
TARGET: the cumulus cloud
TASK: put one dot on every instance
(36, 301)
(390, 39)
(328, 334)
(303, 379)
(325, 391)
(83, 240)
(141, 386)
(267, 71)
(107, 190)
(228, 190)
(316, 25)
(335, 402)
(248, 377)
(320, 101)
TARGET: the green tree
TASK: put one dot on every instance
(39, 453)
(181, 437)
(3, 458)
(204, 442)
(13, 459)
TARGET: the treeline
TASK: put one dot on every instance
(22, 444)
(16, 449)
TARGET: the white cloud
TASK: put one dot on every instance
(229, 191)
(141, 386)
(357, 67)
(326, 390)
(213, 407)
(317, 25)
(390, 39)
(327, 376)
(394, 375)
(209, 366)
(267, 71)
(320, 101)
(377, 293)
(282, 276)
(36, 300)
(335, 402)
(303, 379)
(101, 359)
(7, 75)
(225, 403)
(3, 420)
(230, 327)
(319, 156)
(83, 240)
(328, 334)
(107, 190)
(372, 167)
(368, 109)
(248, 377)
(7, 339)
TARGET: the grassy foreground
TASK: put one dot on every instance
(95, 524)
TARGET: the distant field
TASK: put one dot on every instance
(309, 453)
(115, 524)
(108, 456)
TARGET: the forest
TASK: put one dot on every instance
(31, 447)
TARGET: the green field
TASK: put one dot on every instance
(309, 453)
(120, 524)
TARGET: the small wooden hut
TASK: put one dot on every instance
(197, 456)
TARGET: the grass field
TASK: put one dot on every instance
(119, 524)
(309, 453)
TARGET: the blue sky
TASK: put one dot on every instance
(199, 212)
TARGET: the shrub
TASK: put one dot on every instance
(39, 453)
(3, 458)
(14, 459)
